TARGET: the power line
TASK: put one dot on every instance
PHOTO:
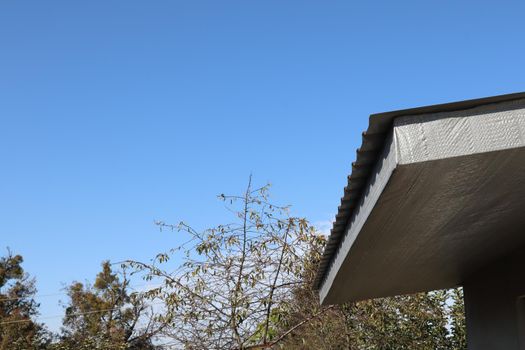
(74, 314)
(37, 296)
(33, 297)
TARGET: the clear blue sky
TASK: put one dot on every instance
(117, 113)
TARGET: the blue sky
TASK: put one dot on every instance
(118, 113)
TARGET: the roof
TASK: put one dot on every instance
(367, 156)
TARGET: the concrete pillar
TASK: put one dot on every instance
(495, 305)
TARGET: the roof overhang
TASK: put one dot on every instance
(435, 193)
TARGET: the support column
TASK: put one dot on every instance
(495, 305)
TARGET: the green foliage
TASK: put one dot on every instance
(234, 277)
(457, 316)
(248, 285)
(10, 268)
(242, 285)
(107, 316)
(18, 331)
(433, 320)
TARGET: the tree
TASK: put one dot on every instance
(433, 320)
(457, 317)
(18, 330)
(248, 285)
(242, 285)
(234, 279)
(107, 315)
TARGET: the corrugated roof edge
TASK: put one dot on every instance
(366, 158)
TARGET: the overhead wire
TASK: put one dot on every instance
(38, 296)
(73, 314)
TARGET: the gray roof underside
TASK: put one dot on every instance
(367, 156)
